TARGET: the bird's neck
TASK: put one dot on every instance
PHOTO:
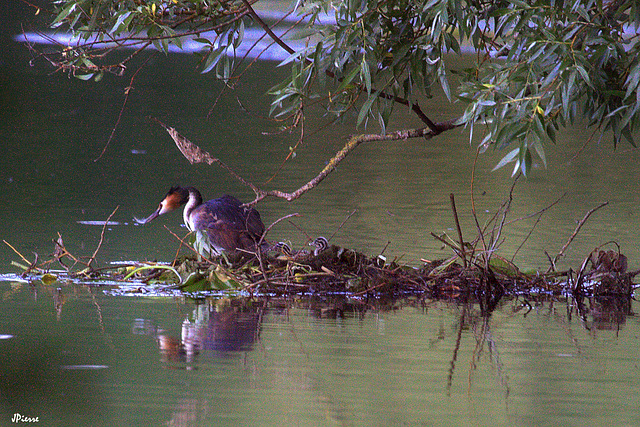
(195, 200)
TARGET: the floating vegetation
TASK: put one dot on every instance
(475, 273)
(337, 270)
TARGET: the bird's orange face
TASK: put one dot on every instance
(171, 201)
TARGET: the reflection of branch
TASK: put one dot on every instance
(454, 356)
(195, 154)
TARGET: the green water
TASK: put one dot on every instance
(76, 355)
(84, 356)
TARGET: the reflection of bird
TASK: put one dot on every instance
(224, 223)
(320, 244)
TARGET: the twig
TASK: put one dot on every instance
(455, 217)
(268, 229)
(539, 214)
(104, 227)
(575, 233)
(259, 252)
(495, 236)
(473, 202)
(309, 238)
(385, 247)
(182, 242)
(124, 104)
(444, 241)
(342, 224)
(16, 251)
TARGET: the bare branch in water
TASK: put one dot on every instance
(104, 227)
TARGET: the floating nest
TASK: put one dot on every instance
(340, 271)
(337, 270)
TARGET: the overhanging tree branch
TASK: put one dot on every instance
(414, 106)
(195, 154)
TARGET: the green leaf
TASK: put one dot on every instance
(120, 22)
(365, 75)
(443, 81)
(585, 75)
(539, 147)
(66, 11)
(366, 107)
(84, 76)
(294, 56)
(510, 157)
(348, 79)
(212, 58)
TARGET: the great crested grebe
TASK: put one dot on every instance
(224, 221)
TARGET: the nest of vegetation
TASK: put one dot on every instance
(603, 277)
(473, 274)
(337, 270)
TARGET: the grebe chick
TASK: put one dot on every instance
(224, 221)
(283, 248)
(320, 243)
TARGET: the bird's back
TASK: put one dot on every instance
(228, 224)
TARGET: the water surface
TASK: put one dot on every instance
(84, 355)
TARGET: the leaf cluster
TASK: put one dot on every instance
(539, 65)
(100, 27)
(550, 64)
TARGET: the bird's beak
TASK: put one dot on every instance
(149, 218)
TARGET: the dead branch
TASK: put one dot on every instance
(573, 236)
(463, 255)
(195, 154)
(104, 227)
